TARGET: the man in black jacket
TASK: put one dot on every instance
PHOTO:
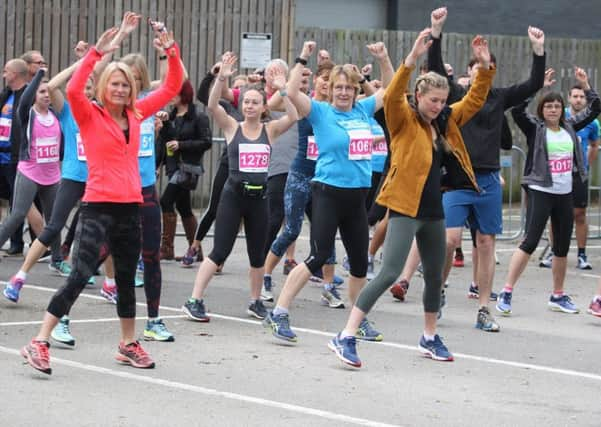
(482, 136)
(16, 76)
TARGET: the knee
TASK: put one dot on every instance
(453, 241)
(217, 257)
(580, 216)
(485, 241)
(527, 246)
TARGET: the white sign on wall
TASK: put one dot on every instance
(255, 50)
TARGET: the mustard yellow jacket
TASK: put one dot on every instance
(411, 141)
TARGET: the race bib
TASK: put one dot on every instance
(312, 151)
(81, 154)
(5, 124)
(47, 150)
(360, 144)
(253, 158)
(146, 138)
(379, 148)
(560, 165)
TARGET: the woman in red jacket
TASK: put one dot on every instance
(110, 131)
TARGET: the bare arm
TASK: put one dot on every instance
(277, 127)
(300, 100)
(378, 50)
(224, 120)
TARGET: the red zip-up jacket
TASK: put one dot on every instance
(113, 170)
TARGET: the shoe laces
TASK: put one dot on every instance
(283, 321)
(267, 283)
(136, 349)
(64, 327)
(366, 327)
(41, 348)
(332, 289)
(507, 297)
(159, 325)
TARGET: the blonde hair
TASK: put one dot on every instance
(137, 61)
(423, 85)
(101, 87)
(352, 77)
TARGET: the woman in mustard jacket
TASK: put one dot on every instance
(425, 141)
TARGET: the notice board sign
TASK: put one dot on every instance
(255, 50)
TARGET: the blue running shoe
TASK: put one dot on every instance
(346, 265)
(564, 304)
(13, 288)
(337, 281)
(366, 332)
(474, 293)
(61, 332)
(157, 331)
(503, 305)
(486, 321)
(346, 350)
(195, 310)
(435, 349)
(280, 326)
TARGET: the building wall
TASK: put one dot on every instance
(348, 14)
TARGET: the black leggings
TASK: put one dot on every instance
(209, 216)
(150, 219)
(176, 196)
(99, 222)
(342, 208)
(233, 207)
(275, 202)
(541, 206)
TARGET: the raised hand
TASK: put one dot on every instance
(581, 77)
(104, 44)
(227, 63)
(481, 52)
(537, 38)
(166, 40)
(278, 78)
(130, 22)
(549, 80)
(437, 20)
(81, 48)
(366, 70)
(308, 49)
(157, 26)
(420, 47)
(377, 50)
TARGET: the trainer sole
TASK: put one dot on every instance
(29, 361)
(593, 313)
(196, 319)
(152, 337)
(255, 315)
(431, 355)
(127, 361)
(563, 310)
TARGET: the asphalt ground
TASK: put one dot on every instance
(543, 368)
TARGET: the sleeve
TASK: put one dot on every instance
(369, 105)
(525, 121)
(513, 95)
(77, 84)
(436, 64)
(590, 113)
(170, 88)
(316, 112)
(28, 97)
(396, 107)
(506, 137)
(475, 98)
(202, 94)
(202, 135)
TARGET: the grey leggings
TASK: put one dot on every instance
(25, 192)
(431, 242)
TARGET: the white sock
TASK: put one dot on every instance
(346, 334)
(109, 281)
(21, 275)
(429, 337)
(279, 310)
(267, 275)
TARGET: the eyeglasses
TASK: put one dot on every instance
(40, 63)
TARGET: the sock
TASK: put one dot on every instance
(279, 310)
(152, 319)
(557, 294)
(267, 275)
(21, 275)
(346, 334)
(193, 300)
(429, 337)
(109, 282)
(474, 285)
(581, 251)
(370, 258)
(508, 288)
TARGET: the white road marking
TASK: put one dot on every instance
(108, 319)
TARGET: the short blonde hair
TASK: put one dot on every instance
(113, 67)
(137, 61)
(351, 75)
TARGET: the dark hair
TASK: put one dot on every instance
(423, 68)
(576, 86)
(473, 61)
(324, 68)
(258, 88)
(551, 97)
(186, 93)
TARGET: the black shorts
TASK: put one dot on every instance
(579, 192)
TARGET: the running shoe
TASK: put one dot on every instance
(583, 263)
(318, 278)
(346, 350)
(109, 292)
(399, 290)
(420, 269)
(563, 303)
(346, 265)
(266, 292)
(189, 258)
(61, 268)
(474, 293)
(257, 309)
(503, 305)
(337, 281)
(45, 256)
(13, 288)
(435, 349)
(289, 265)
(140, 266)
(15, 251)
(458, 260)
(486, 321)
(547, 261)
(595, 308)
(133, 354)
(37, 355)
(280, 326)
(138, 282)
(331, 297)
(156, 330)
(195, 310)
(62, 333)
(366, 332)
(91, 281)
(370, 268)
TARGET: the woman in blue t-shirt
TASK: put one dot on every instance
(342, 179)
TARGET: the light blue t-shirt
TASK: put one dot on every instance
(380, 149)
(73, 167)
(343, 162)
(146, 154)
(590, 133)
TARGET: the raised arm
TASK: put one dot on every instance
(475, 98)
(592, 110)
(519, 92)
(202, 94)
(300, 100)
(524, 120)
(28, 97)
(378, 51)
(56, 96)
(277, 127)
(224, 120)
